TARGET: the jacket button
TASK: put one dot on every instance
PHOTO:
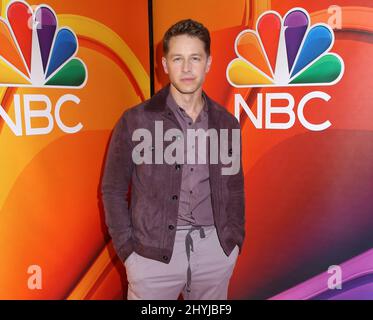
(165, 258)
(174, 197)
(171, 227)
(177, 167)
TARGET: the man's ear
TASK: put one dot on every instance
(208, 65)
(164, 64)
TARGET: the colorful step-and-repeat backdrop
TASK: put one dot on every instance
(296, 73)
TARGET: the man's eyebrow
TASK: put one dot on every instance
(179, 55)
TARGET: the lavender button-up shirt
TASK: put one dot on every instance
(195, 195)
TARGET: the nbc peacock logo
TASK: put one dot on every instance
(36, 52)
(285, 52)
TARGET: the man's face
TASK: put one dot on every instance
(186, 63)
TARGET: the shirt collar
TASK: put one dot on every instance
(172, 104)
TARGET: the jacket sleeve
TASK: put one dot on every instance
(237, 199)
(114, 189)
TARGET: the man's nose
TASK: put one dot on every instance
(186, 66)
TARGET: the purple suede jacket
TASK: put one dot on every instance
(147, 222)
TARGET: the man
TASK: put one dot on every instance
(185, 225)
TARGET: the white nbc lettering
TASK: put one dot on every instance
(288, 109)
(40, 113)
(45, 113)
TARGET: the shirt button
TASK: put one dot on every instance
(191, 169)
(189, 123)
(174, 197)
(190, 191)
(165, 258)
(171, 227)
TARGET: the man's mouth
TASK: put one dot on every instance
(187, 79)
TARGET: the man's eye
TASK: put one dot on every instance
(177, 59)
(196, 58)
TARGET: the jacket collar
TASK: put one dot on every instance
(157, 103)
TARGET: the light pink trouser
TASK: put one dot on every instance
(211, 270)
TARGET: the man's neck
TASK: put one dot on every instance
(192, 103)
